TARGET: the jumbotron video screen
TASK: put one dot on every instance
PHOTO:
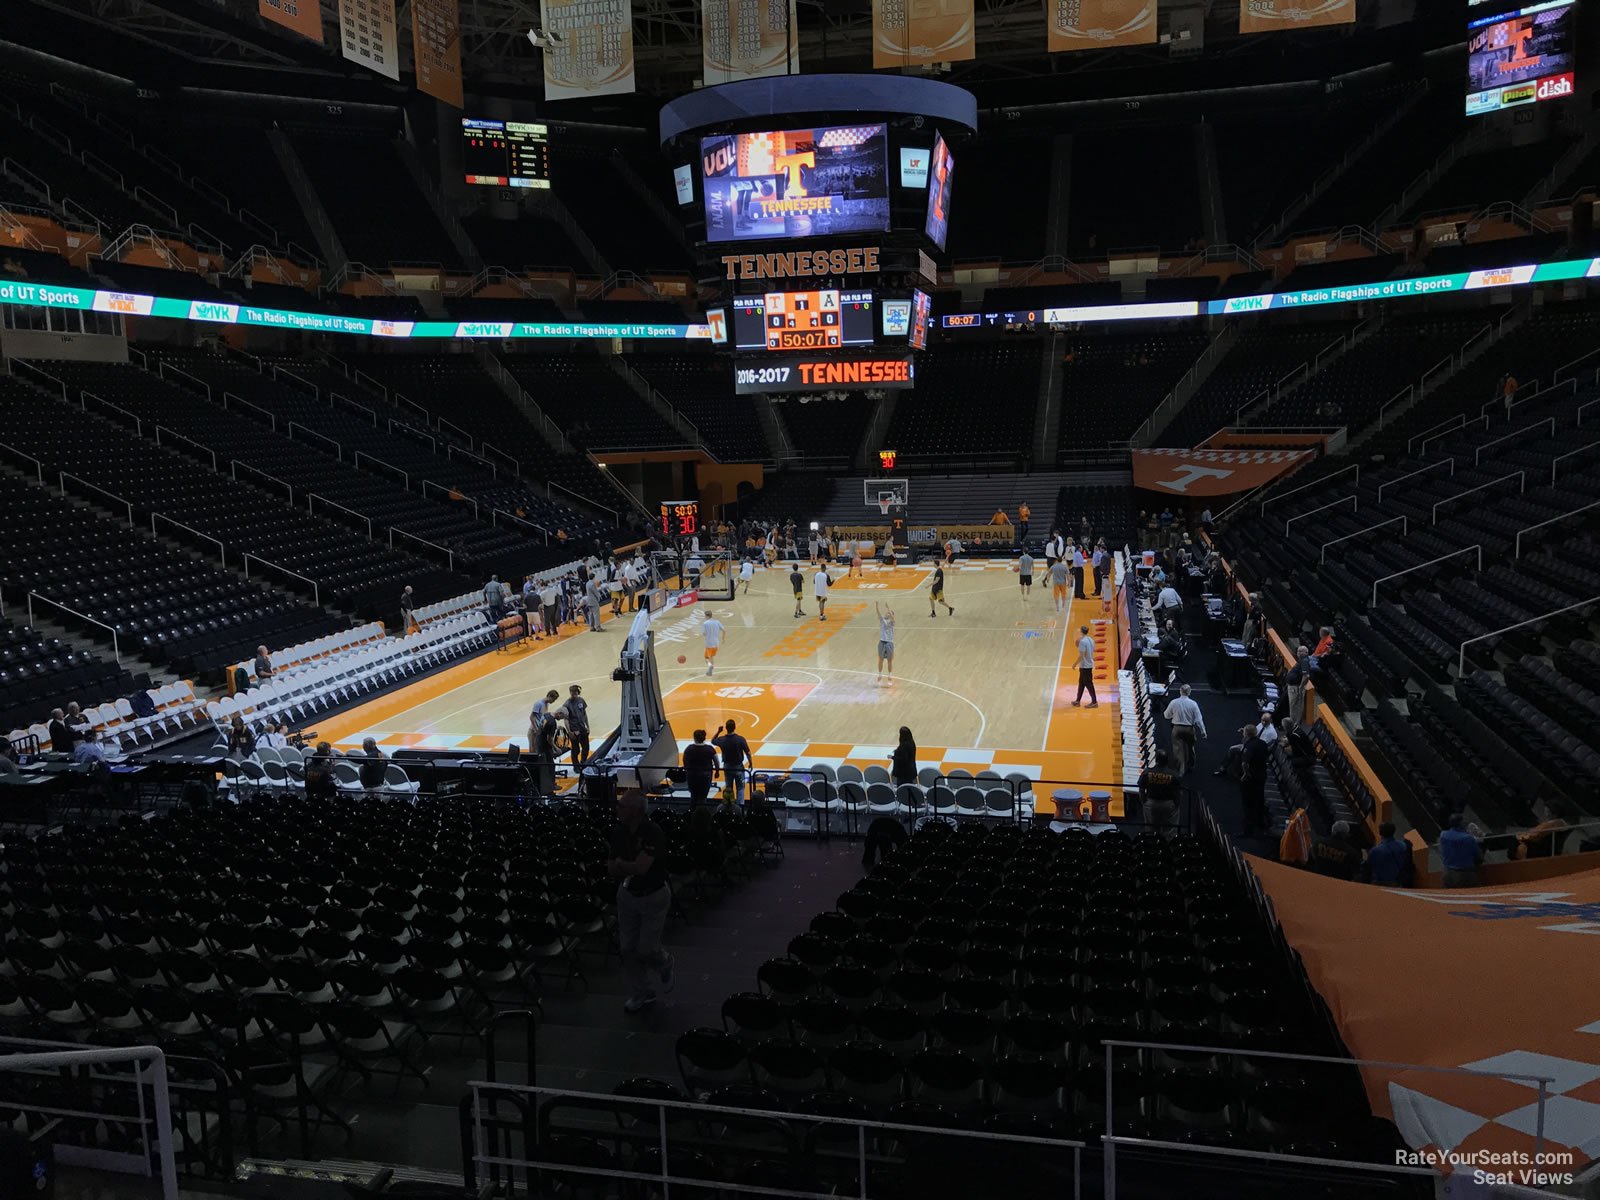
(796, 183)
(1519, 56)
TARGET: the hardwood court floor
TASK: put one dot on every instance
(989, 688)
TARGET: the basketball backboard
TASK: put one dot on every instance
(886, 495)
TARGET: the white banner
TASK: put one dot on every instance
(747, 39)
(595, 54)
(367, 35)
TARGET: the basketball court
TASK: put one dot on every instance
(990, 688)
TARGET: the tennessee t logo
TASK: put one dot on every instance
(1188, 473)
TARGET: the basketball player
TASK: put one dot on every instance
(713, 629)
(813, 541)
(798, 582)
(747, 572)
(1060, 573)
(885, 639)
(822, 582)
(1025, 574)
(1055, 549)
(855, 564)
(936, 592)
(888, 555)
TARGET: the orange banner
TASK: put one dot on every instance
(918, 33)
(1098, 24)
(1211, 472)
(436, 49)
(302, 16)
(1503, 966)
(1269, 16)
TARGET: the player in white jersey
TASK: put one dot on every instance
(821, 582)
(713, 630)
(747, 572)
(885, 639)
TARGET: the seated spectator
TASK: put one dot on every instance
(1336, 855)
(241, 738)
(1159, 791)
(89, 750)
(1389, 863)
(319, 774)
(63, 737)
(263, 663)
(999, 517)
(276, 737)
(373, 766)
(1324, 644)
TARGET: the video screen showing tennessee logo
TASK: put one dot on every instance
(937, 226)
(796, 183)
(1520, 55)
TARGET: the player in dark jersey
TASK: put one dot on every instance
(798, 582)
(936, 593)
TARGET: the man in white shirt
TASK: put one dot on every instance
(821, 582)
(1187, 727)
(1169, 605)
(713, 629)
(1086, 668)
(747, 572)
(547, 600)
(1055, 549)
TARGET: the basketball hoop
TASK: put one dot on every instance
(884, 503)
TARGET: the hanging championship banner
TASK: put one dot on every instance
(746, 39)
(595, 54)
(302, 16)
(918, 33)
(436, 49)
(367, 35)
(1269, 16)
(1098, 24)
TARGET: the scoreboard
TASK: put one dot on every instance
(505, 153)
(680, 518)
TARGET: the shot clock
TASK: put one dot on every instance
(680, 518)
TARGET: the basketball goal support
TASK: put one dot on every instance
(892, 499)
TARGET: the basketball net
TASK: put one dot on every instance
(884, 504)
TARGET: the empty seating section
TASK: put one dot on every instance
(166, 606)
(254, 518)
(1260, 356)
(625, 228)
(594, 405)
(1134, 189)
(59, 181)
(973, 977)
(1353, 388)
(997, 178)
(403, 228)
(39, 673)
(308, 459)
(1109, 509)
(533, 240)
(1514, 730)
(971, 402)
(1499, 173)
(823, 428)
(457, 384)
(1110, 382)
(1375, 179)
(700, 387)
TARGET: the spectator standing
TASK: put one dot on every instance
(576, 713)
(903, 761)
(1024, 515)
(735, 757)
(1461, 853)
(1101, 562)
(1389, 863)
(494, 598)
(1188, 725)
(639, 865)
(1165, 523)
(591, 604)
(1299, 676)
(699, 768)
(549, 600)
(1159, 790)
(63, 737)
(1253, 782)
(1336, 855)
(408, 620)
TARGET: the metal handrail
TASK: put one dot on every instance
(432, 441)
(1477, 455)
(272, 417)
(1356, 467)
(360, 454)
(37, 465)
(163, 366)
(338, 450)
(452, 494)
(337, 398)
(116, 648)
(235, 464)
(61, 482)
(1442, 462)
(1422, 449)
(85, 395)
(1441, 558)
(14, 363)
(443, 424)
(1571, 512)
(450, 554)
(1568, 454)
(311, 508)
(486, 448)
(494, 512)
(1404, 393)
(1456, 422)
(581, 499)
(1582, 407)
(160, 429)
(451, 450)
(1353, 498)
(1405, 530)
(222, 551)
(316, 591)
(1521, 476)
(1461, 659)
(139, 1055)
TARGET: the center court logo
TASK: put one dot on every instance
(740, 693)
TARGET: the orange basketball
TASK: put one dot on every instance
(683, 658)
